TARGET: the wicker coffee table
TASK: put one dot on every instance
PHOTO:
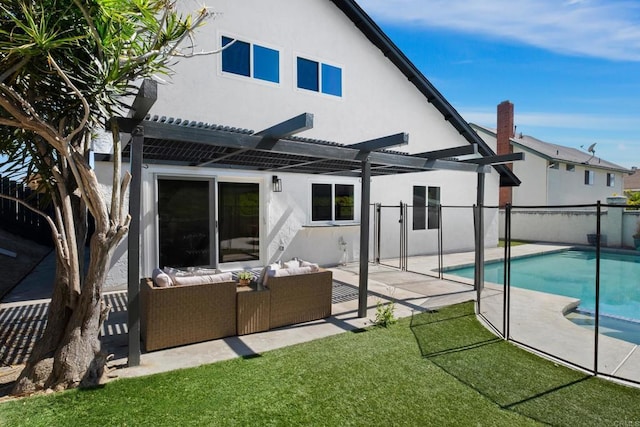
(253, 309)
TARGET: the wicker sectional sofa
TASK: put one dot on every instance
(181, 315)
(300, 298)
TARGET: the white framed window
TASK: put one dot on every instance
(589, 177)
(332, 202)
(571, 168)
(554, 165)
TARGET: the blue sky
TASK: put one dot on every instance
(570, 67)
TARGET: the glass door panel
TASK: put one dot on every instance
(184, 223)
(239, 221)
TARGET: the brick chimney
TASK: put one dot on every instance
(504, 132)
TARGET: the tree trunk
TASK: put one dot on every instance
(69, 353)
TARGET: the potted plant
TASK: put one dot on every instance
(636, 236)
(245, 277)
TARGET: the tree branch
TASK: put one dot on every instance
(13, 69)
(22, 116)
(85, 104)
(52, 225)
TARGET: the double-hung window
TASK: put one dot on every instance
(319, 77)
(332, 202)
(250, 60)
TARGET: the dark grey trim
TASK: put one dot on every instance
(448, 153)
(496, 160)
(289, 127)
(380, 143)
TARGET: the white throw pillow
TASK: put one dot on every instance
(294, 263)
(314, 267)
(161, 279)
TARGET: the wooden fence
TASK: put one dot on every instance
(17, 219)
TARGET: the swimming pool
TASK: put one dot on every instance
(572, 273)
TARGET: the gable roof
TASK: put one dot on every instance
(559, 153)
(376, 36)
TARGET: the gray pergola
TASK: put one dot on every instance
(177, 142)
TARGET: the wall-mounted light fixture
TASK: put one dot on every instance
(277, 184)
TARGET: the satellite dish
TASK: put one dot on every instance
(592, 148)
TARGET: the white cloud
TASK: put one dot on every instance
(597, 28)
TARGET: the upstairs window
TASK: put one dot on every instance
(588, 177)
(611, 180)
(554, 165)
(571, 168)
(250, 60)
(332, 202)
(319, 77)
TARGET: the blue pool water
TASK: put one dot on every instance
(572, 273)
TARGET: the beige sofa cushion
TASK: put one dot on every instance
(202, 279)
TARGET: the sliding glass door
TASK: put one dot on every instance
(239, 221)
(186, 231)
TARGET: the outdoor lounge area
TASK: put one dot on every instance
(216, 306)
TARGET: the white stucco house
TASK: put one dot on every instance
(552, 174)
(204, 204)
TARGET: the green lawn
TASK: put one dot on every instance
(438, 368)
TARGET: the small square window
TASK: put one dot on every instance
(308, 74)
(332, 202)
(236, 58)
(331, 80)
(554, 165)
(266, 64)
(571, 168)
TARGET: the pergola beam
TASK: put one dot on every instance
(282, 130)
(380, 143)
(496, 160)
(447, 153)
(289, 127)
(147, 96)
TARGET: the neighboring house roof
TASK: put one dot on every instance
(559, 153)
(632, 182)
(371, 30)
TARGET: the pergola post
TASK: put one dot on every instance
(479, 268)
(364, 236)
(133, 289)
